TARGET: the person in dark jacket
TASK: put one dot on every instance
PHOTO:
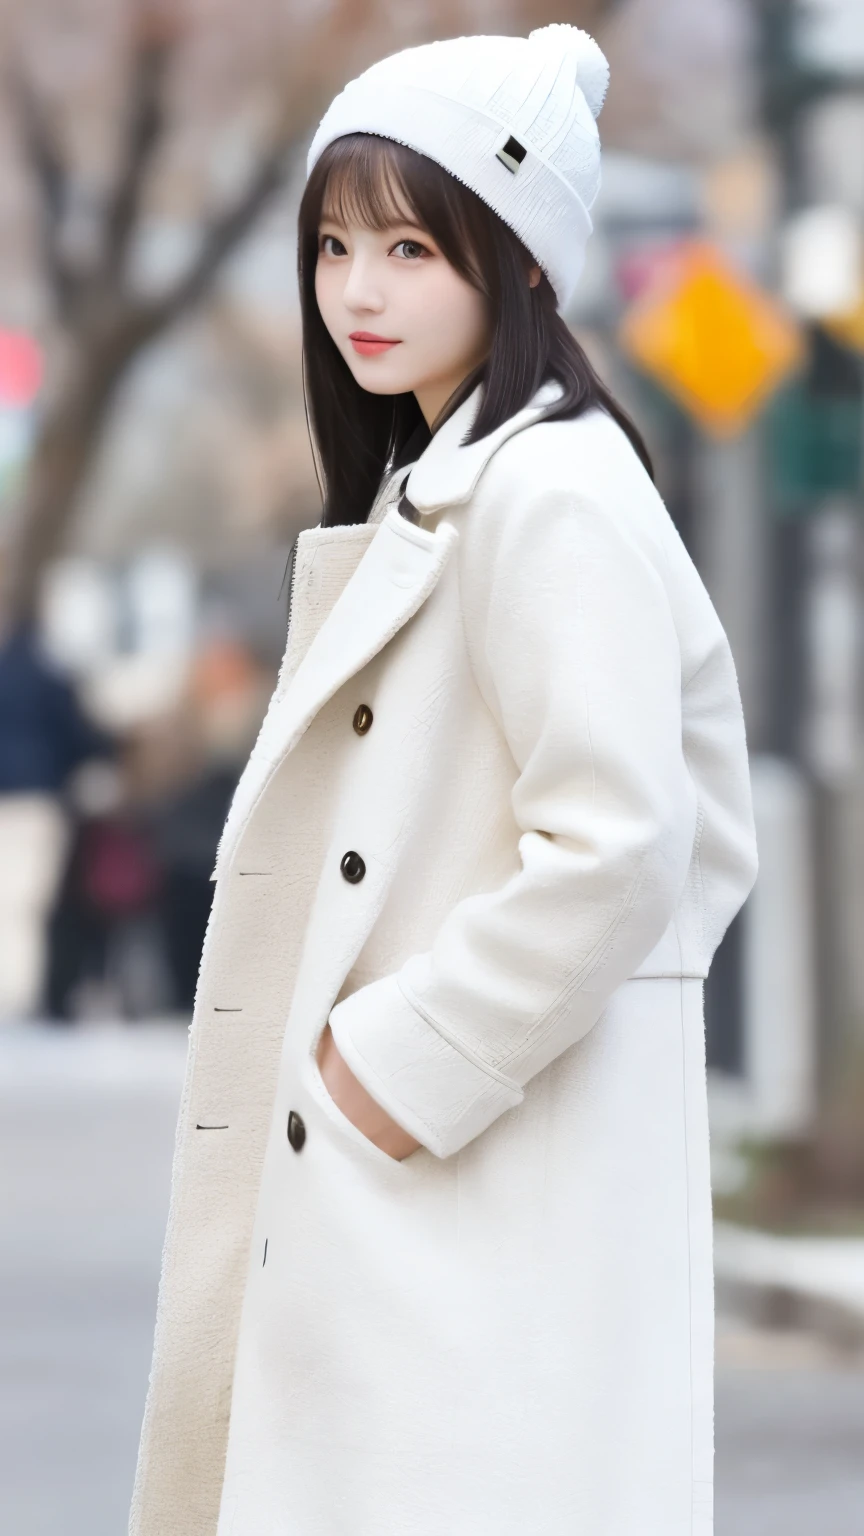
(44, 737)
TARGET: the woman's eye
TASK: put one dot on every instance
(331, 240)
(411, 249)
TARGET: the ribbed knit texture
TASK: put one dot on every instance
(460, 101)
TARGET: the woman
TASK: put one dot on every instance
(439, 1256)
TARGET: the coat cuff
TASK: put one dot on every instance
(427, 1084)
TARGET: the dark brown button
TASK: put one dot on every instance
(296, 1130)
(352, 867)
(362, 719)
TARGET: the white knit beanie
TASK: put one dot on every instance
(511, 117)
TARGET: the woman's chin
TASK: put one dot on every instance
(381, 381)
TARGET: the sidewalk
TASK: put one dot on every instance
(810, 1283)
(87, 1121)
(103, 1057)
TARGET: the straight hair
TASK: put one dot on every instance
(358, 437)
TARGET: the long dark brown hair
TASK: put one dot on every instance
(357, 436)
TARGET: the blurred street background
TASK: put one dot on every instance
(154, 473)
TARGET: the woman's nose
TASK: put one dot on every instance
(362, 291)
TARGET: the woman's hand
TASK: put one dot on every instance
(357, 1105)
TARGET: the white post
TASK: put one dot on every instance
(779, 960)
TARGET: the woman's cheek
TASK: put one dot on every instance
(326, 297)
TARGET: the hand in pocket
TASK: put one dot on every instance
(358, 1105)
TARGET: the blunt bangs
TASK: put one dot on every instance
(374, 182)
(365, 183)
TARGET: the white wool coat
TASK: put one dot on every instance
(510, 1330)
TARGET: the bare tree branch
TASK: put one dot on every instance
(144, 132)
(145, 128)
(225, 234)
(52, 182)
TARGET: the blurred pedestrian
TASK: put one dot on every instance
(441, 1227)
(107, 907)
(44, 737)
(224, 702)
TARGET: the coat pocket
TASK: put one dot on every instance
(318, 1091)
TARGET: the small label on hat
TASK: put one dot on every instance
(511, 154)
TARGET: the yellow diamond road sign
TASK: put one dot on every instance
(711, 337)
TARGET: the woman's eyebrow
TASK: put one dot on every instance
(388, 229)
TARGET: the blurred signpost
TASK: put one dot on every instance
(721, 346)
(816, 425)
(20, 368)
(815, 438)
(716, 341)
(20, 379)
(849, 328)
(811, 55)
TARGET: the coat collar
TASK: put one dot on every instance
(447, 472)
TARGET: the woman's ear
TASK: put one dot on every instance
(534, 277)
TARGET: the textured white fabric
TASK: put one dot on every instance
(461, 100)
(510, 1330)
(514, 1341)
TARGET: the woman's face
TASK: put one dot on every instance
(428, 327)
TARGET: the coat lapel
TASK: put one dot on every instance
(393, 579)
(447, 472)
(397, 573)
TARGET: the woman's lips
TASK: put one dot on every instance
(368, 344)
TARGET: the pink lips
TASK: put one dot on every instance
(368, 344)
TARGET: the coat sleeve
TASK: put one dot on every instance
(575, 651)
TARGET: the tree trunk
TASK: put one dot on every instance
(64, 453)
